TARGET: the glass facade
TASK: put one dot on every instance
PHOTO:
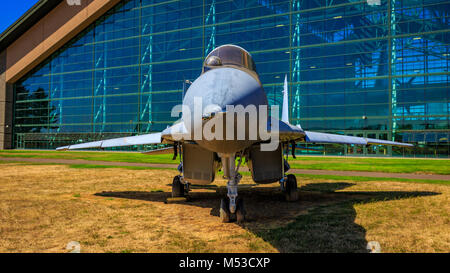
(359, 68)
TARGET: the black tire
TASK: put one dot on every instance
(240, 210)
(225, 215)
(177, 187)
(291, 188)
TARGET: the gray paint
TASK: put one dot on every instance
(225, 86)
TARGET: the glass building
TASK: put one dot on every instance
(374, 68)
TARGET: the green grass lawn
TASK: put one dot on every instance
(388, 165)
(318, 177)
(300, 177)
(96, 156)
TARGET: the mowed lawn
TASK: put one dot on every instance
(389, 165)
(44, 207)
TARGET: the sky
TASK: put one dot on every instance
(12, 10)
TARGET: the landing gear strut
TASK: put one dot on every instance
(232, 205)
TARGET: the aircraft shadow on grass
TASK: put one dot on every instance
(323, 220)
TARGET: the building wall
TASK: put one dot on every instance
(6, 106)
(353, 68)
(53, 31)
(49, 34)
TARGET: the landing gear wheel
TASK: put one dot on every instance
(240, 211)
(291, 190)
(177, 187)
(225, 214)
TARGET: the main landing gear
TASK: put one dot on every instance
(232, 205)
(179, 189)
(289, 187)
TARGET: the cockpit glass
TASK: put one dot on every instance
(229, 55)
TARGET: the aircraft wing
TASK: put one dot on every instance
(175, 133)
(116, 142)
(290, 132)
(316, 137)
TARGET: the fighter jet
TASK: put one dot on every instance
(225, 120)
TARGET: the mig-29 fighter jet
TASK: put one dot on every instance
(225, 118)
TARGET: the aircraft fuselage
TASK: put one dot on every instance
(227, 84)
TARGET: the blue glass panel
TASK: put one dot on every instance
(345, 60)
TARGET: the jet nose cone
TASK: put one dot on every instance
(220, 87)
(212, 93)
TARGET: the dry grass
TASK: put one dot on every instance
(420, 224)
(42, 208)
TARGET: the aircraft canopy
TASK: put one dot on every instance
(229, 55)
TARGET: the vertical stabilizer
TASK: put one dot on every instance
(285, 110)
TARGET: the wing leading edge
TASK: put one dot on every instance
(116, 142)
(172, 134)
(316, 137)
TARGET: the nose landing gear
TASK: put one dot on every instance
(233, 205)
(226, 216)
